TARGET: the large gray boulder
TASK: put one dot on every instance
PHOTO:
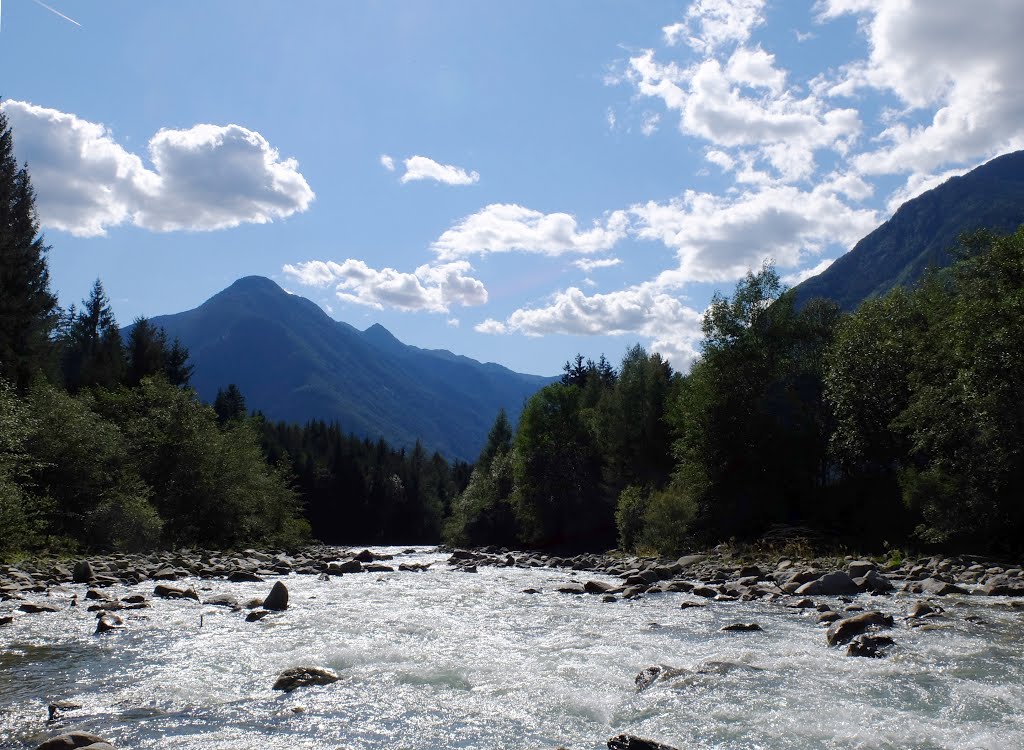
(297, 677)
(830, 584)
(277, 599)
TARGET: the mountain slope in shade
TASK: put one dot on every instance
(922, 231)
(293, 362)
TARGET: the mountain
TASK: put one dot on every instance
(922, 231)
(295, 363)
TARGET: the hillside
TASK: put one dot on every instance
(293, 362)
(921, 232)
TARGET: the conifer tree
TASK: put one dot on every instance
(92, 351)
(27, 307)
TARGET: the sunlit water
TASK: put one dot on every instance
(445, 659)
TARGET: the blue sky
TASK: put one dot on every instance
(513, 181)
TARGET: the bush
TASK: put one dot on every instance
(629, 516)
(668, 521)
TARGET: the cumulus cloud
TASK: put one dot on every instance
(503, 227)
(387, 162)
(958, 61)
(719, 238)
(645, 309)
(430, 288)
(422, 168)
(203, 178)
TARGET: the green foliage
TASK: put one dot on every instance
(92, 354)
(629, 516)
(483, 513)
(229, 405)
(499, 440)
(148, 354)
(668, 521)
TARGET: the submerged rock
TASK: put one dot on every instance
(277, 599)
(59, 707)
(256, 615)
(742, 627)
(871, 646)
(629, 742)
(655, 673)
(34, 608)
(297, 677)
(107, 622)
(844, 631)
(72, 740)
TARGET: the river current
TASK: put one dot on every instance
(446, 659)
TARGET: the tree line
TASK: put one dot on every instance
(901, 423)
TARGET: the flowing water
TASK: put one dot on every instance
(445, 659)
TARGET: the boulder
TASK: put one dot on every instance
(347, 566)
(277, 599)
(83, 572)
(244, 576)
(935, 587)
(256, 615)
(870, 646)
(167, 591)
(107, 622)
(34, 608)
(844, 631)
(859, 568)
(223, 600)
(297, 677)
(742, 627)
(921, 609)
(597, 587)
(6, 619)
(874, 582)
(365, 556)
(830, 584)
(629, 742)
(70, 741)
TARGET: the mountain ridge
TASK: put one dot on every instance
(921, 232)
(295, 363)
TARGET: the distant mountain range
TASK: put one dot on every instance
(293, 362)
(922, 231)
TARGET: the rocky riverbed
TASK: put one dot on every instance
(497, 630)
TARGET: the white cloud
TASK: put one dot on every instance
(423, 168)
(204, 178)
(428, 288)
(644, 310)
(490, 326)
(710, 24)
(792, 279)
(755, 68)
(719, 238)
(503, 227)
(453, 322)
(957, 60)
(387, 162)
(589, 264)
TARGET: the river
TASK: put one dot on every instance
(445, 659)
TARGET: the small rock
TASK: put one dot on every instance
(6, 619)
(650, 675)
(341, 568)
(827, 618)
(107, 622)
(244, 576)
(277, 599)
(59, 707)
(935, 587)
(706, 591)
(529, 591)
(597, 587)
(920, 609)
(297, 677)
(223, 600)
(256, 615)
(742, 627)
(34, 608)
(859, 568)
(688, 605)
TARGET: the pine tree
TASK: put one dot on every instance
(92, 351)
(27, 307)
(229, 404)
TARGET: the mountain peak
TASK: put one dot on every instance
(260, 284)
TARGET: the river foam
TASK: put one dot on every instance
(446, 659)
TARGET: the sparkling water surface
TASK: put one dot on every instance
(445, 659)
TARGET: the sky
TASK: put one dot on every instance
(517, 180)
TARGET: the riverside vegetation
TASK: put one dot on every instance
(900, 423)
